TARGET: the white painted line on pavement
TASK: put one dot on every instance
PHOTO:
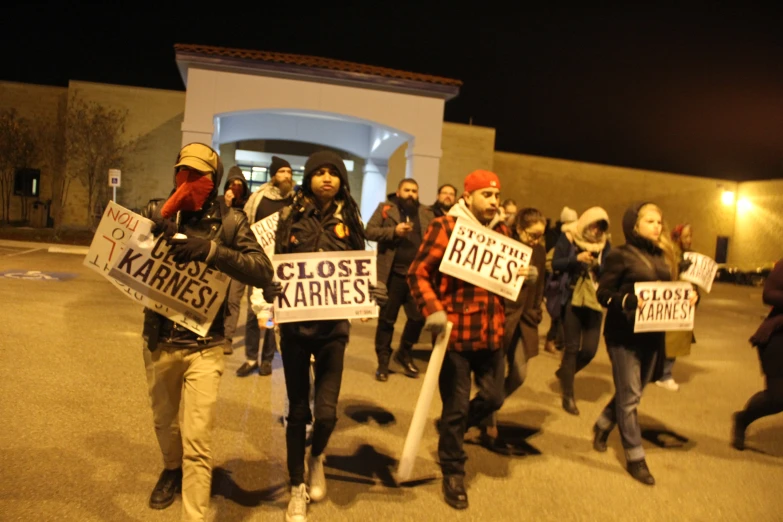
(23, 252)
(81, 250)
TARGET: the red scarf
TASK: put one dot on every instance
(193, 189)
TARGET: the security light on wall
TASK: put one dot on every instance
(727, 197)
(743, 205)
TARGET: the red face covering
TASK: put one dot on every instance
(193, 189)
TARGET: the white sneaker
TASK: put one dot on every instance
(316, 478)
(668, 384)
(297, 506)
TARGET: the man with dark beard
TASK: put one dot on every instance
(447, 196)
(267, 200)
(398, 226)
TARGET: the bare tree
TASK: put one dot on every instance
(17, 150)
(95, 142)
(50, 136)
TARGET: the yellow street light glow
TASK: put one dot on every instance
(727, 197)
(743, 205)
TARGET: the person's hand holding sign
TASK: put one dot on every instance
(530, 273)
(436, 322)
(165, 226)
(229, 197)
(185, 250)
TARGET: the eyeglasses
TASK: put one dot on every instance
(533, 237)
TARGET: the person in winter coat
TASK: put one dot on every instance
(520, 338)
(447, 196)
(580, 252)
(647, 255)
(476, 341)
(678, 344)
(235, 193)
(184, 369)
(555, 336)
(768, 339)
(270, 197)
(323, 217)
(397, 226)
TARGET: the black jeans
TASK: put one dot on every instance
(459, 411)
(399, 296)
(763, 403)
(582, 328)
(555, 332)
(632, 370)
(253, 338)
(329, 355)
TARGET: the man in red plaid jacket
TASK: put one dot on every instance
(477, 336)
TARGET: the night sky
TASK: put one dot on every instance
(696, 92)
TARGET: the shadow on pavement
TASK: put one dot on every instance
(224, 485)
(363, 411)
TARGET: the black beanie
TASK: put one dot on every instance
(323, 158)
(277, 164)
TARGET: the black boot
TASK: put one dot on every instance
(382, 373)
(639, 470)
(738, 431)
(405, 360)
(569, 405)
(454, 491)
(169, 484)
(599, 438)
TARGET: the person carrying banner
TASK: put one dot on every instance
(476, 341)
(636, 358)
(323, 217)
(397, 226)
(270, 197)
(580, 253)
(235, 193)
(183, 370)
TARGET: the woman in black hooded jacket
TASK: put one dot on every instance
(646, 256)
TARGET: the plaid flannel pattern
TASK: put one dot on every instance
(477, 314)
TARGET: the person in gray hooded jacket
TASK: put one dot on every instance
(235, 193)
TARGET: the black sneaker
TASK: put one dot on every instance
(265, 368)
(169, 484)
(409, 368)
(599, 439)
(382, 373)
(639, 470)
(454, 491)
(247, 368)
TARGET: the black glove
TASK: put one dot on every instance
(190, 249)
(272, 291)
(631, 302)
(379, 294)
(167, 226)
(684, 265)
(436, 322)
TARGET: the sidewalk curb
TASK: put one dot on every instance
(51, 247)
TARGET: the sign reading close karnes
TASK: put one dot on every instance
(701, 272)
(190, 294)
(265, 231)
(664, 306)
(325, 285)
(485, 258)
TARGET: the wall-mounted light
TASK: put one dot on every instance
(743, 205)
(727, 197)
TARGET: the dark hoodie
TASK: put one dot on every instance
(637, 261)
(236, 173)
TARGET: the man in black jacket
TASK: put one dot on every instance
(181, 366)
(235, 194)
(398, 226)
(447, 196)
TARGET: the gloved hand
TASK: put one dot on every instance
(630, 302)
(436, 322)
(379, 294)
(190, 249)
(684, 265)
(167, 226)
(272, 291)
(532, 275)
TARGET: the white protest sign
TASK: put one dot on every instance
(701, 272)
(485, 258)
(189, 294)
(265, 231)
(325, 285)
(664, 307)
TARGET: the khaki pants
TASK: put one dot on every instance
(185, 436)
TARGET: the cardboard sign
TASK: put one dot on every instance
(265, 231)
(485, 258)
(665, 307)
(325, 285)
(701, 272)
(189, 294)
